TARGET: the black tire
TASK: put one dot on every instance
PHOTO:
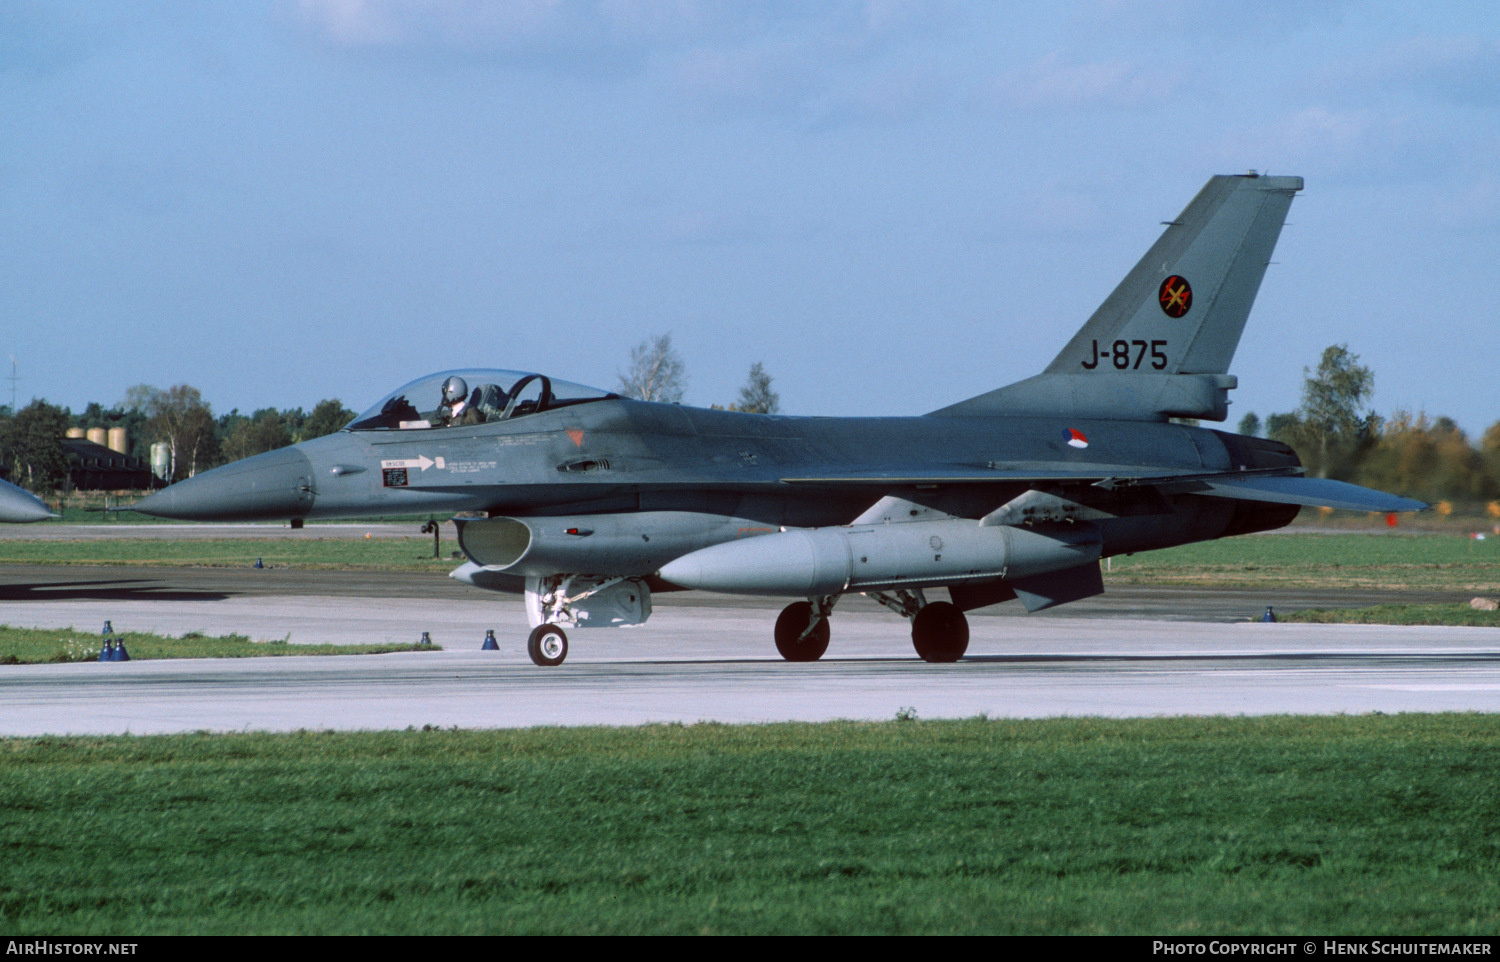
(789, 627)
(547, 646)
(940, 632)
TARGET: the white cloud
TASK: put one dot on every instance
(891, 96)
(1472, 206)
(1462, 70)
(747, 79)
(350, 22)
(1059, 82)
(1215, 20)
(1369, 141)
(516, 23)
(825, 63)
(516, 30)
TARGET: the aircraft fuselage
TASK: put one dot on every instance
(620, 456)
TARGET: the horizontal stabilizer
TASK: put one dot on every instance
(1313, 492)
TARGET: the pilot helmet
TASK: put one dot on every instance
(455, 389)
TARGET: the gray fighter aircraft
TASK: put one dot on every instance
(587, 502)
(19, 506)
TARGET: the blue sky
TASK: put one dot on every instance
(893, 205)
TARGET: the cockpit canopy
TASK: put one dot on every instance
(492, 395)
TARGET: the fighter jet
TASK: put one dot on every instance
(588, 502)
(19, 506)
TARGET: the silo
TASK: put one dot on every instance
(75, 434)
(119, 441)
(99, 436)
(161, 460)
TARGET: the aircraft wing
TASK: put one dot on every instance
(1275, 486)
(1038, 471)
(1313, 492)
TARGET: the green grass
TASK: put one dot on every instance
(1454, 614)
(290, 550)
(1387, 561)
(92, 512)
(28, 646)
(1368, 824)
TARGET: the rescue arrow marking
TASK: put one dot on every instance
(422, 462)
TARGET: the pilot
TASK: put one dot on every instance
(455, 400)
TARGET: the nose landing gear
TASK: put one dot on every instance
(547, 646)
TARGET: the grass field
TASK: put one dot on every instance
(290, 550)
(1455, 614)
(26, 646)
(80, 509)
(1387, 561)
(1370, 824)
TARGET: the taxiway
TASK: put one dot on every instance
(1134, 652)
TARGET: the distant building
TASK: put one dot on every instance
(94, 467)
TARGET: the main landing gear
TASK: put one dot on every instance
(802, 630)
(939, 630)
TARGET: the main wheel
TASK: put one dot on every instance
(547, 646)
(940, 632)
(789, 628)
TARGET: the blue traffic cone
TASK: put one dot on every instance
(426, 639)
(109, 629)
(120, 653)
(1269, 618)
(258, 563)
(107, 653)
(490, 644)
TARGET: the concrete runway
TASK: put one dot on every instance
(1134, 652)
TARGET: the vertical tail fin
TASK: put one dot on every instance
(1161, 344)
(1194, 288)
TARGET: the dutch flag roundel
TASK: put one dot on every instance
(1075, 438)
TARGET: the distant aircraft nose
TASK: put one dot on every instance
(18, 506)
(277, 484)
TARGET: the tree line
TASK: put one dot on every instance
(30, 438)
(1338, 436)
(658, 373)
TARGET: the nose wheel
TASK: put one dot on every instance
(547, 646)
(940, 632)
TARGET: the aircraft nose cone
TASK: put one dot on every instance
(18, 506)
(277, 484)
